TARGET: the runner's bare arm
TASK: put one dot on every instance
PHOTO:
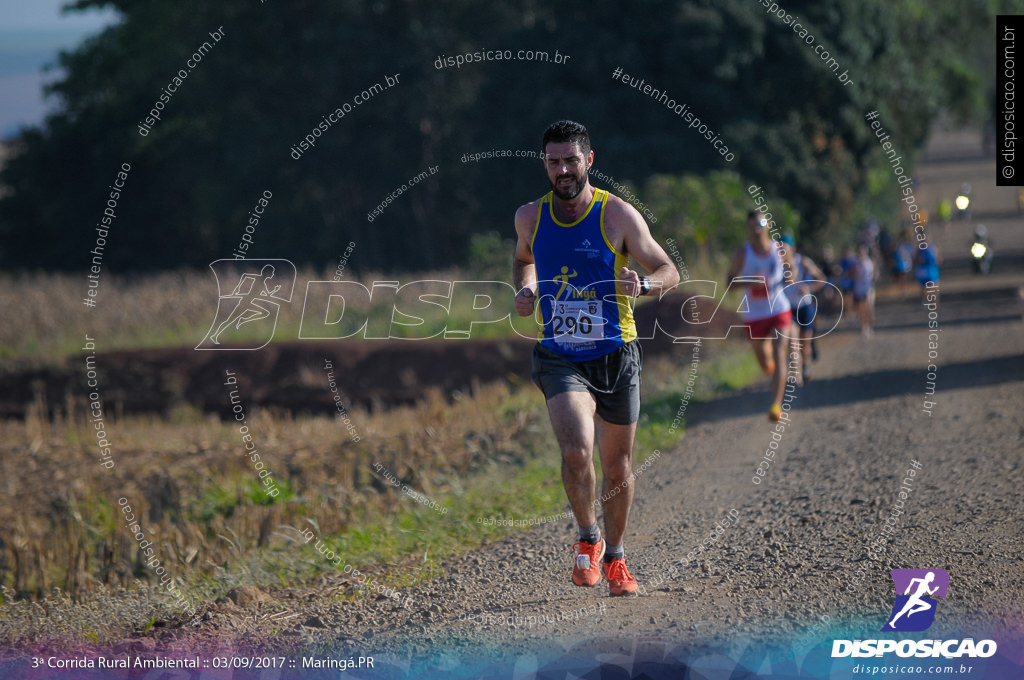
(788, 264)
(735, 267)
(817, 275)
(623, 219)
(524, 273)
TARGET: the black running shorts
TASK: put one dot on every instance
(613, 380)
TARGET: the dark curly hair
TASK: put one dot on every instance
(567, 131)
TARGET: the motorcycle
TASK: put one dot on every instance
(981, 252)
(963, 202)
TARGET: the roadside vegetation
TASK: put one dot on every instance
(471, 468)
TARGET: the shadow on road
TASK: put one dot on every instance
(975, 320)
(865, 387)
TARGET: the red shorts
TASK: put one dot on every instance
(764, 329)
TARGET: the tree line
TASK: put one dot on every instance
(359, 85)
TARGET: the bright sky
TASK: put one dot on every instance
(21, 15)
(31, 33)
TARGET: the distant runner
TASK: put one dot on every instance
(572, 257)
(810, 280)
(759, 266)
(927, 267)
(864, 277)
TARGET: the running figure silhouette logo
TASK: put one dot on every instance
(915, 605)
(255, 298)
(565, 276)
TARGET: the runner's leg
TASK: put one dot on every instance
(798, 348)
(781, 343)
(763, 353)
(615, 443)
(616, 446)
(807, 340)
(870, 307)
(572, 418)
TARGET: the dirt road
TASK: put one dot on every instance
(785, 567)
(787, 570)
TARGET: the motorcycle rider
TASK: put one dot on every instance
(981, 250)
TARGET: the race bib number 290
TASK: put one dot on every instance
(575, 322)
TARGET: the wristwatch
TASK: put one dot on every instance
(645, 285)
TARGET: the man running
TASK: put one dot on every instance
(864, 278)
(810, 280)
(759, 266)
(571, 258)
(927, 267)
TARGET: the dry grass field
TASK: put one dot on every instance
(459, 457)
(201, 499)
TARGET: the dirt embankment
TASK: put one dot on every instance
(293, 376)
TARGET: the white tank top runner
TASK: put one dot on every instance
(864, 278)
(756, 304)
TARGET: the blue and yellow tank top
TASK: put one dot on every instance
(584, 313)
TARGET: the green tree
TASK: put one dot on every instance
(227, 134)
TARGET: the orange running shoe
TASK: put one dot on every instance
(769, 368)
(587, 570)
(620, 581)
(775, 412)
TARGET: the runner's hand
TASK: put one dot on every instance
(630, 281)
(525, 300)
